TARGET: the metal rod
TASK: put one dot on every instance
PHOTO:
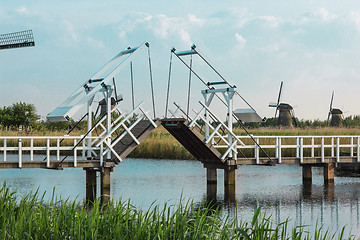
(168, 88)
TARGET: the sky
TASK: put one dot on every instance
(312, 46)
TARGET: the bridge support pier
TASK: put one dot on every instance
(307, 173)
(105, 184)
(211, 186)
(211, 175)
(90, 186)
(229, 175)
(329, 173)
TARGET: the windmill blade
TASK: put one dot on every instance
(280, 91)
(331, 102)
(277, 103)
(328, 118)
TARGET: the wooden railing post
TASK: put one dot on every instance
(301, 150)
(5, 146)
(31, 149)
(358, 149)
(337, 149)
(297, 147)
(47, 152)
(279, 150)
(312, 147)
(20, 153)
(322, 150)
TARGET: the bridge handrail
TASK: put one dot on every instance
(43, 145)
(335, 145)
(231, 146)
(127, 130)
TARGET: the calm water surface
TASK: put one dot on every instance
(279, 189)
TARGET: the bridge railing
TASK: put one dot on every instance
(51, 149)
(126, 122)
(214, 129)
(299, 147)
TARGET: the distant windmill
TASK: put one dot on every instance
(286, 111)
(336, 115)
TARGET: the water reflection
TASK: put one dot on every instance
(329, 205)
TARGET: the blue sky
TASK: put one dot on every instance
(313, 46)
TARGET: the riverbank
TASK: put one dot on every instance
(30, 217)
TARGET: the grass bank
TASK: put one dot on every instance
(29, 217)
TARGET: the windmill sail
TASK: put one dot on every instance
(331, 102)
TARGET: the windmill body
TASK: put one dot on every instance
(284, 110)
(336, 115)
(285, 118)
(336, 118)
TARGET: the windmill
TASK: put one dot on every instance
(336, 115)
(17, 40)
(286, 112)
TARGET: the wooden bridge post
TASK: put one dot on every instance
(90, 186)
(229, 175)
(211, 179)
(105, 184)
(329, 173)
(229, 193)
(211, 175)
(307, 173)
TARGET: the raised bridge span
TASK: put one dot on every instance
(114, 133)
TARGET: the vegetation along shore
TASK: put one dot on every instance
(30, 217)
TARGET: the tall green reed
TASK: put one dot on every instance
(30, 217)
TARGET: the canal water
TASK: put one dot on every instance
(278, 189)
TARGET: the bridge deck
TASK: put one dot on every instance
(192, 140)
(127, 144)
(55, 165)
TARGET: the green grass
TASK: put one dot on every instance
(30, 217)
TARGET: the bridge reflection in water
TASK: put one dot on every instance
(332, 206)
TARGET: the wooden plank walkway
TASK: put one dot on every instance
(127, 144)
(193, 141)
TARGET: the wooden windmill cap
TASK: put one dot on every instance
(336, 111)
(285, 106)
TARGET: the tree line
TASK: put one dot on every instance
(25, 115)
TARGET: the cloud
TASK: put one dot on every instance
(240, 39)
(24, 11)
(122, 34)
(324, 15)
(94, 43)
(354, 18)
(71, 31)
(162, 26)
(195, 20)
(271, 21)
(185, 37)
